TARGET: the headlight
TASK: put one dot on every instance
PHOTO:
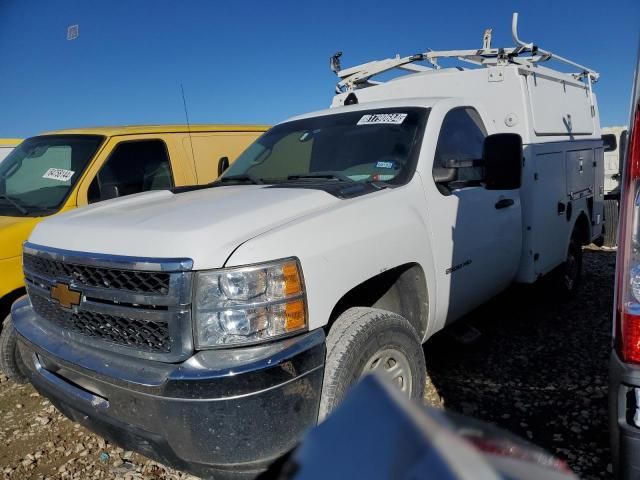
(245, 305)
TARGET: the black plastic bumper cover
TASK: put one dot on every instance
(225, 413)
(625, 436)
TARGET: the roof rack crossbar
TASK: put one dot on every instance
(360, 76)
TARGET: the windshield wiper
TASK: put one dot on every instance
(19, 207)
(243, 177)
(321, 176)
(378, 184)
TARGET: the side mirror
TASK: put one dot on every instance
(609, 142)
(502, 159)
(454, 163)
(109, 191)
(223, 164)
(444, 175)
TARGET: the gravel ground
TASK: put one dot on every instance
(37, 442)
(538, 369)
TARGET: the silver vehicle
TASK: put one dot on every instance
(624, 374)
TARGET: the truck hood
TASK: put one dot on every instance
(13, 232)
(205, 225)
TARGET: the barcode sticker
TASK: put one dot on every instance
(59, 174)
(377, 118)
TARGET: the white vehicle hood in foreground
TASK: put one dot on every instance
(204, 225)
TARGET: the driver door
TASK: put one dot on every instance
(485, 229)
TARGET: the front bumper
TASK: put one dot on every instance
(226, 413)
(624, 379)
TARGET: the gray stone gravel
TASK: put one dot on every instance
(37, 442)
(539, 369)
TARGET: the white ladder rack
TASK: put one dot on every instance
(360, 76)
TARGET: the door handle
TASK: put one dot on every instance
(504, 203)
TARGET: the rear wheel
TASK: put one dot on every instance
(568, 275)
(11, 362)
(610, 223)
(365, 340)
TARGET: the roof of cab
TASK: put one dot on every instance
(9, 142)
(142, 129)
(424, 102)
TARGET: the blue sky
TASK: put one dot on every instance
(261, 62)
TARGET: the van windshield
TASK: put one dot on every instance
(380, 145)
(37, 177)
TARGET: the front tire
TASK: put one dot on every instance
(363, 340)
(11, 362)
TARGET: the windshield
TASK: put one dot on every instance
(379, 145)
(37, 177)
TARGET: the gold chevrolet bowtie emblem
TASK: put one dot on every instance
(64, 295)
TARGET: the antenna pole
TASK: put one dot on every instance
(186, 114)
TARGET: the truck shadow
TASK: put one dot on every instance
(539, 368)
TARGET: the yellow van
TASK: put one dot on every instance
(7, 145)
(65, 169)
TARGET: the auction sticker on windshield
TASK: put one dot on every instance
(59, 174)
(378, 118)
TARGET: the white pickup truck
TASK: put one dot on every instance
(209, 327)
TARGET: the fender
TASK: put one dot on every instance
(348, 244)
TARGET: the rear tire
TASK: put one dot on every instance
(567, 277)
(368, 339)
(611, 213)
(11, 362)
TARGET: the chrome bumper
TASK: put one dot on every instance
(225, 413)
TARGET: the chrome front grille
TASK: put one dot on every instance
(152, 336)
(136, 306)
(129, 280)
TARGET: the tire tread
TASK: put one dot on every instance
(10, 361)
(348, 333)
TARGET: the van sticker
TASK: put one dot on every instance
(381, 177)
(386, 164)
(59, 174)
(377, 118)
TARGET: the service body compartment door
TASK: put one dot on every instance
(597, 217)
(559, 107)
(548, 223)
(580, 173)
(559, 184)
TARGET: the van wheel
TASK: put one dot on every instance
(568, 275)
(364, 340)
(610, 223)
(11, 363)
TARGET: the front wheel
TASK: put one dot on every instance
(364, 340)
(11, 363)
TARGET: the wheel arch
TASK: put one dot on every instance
(401, 290)
(8, 299)
(582, 227)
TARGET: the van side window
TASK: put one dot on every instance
(132, 167)
(461, 139)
